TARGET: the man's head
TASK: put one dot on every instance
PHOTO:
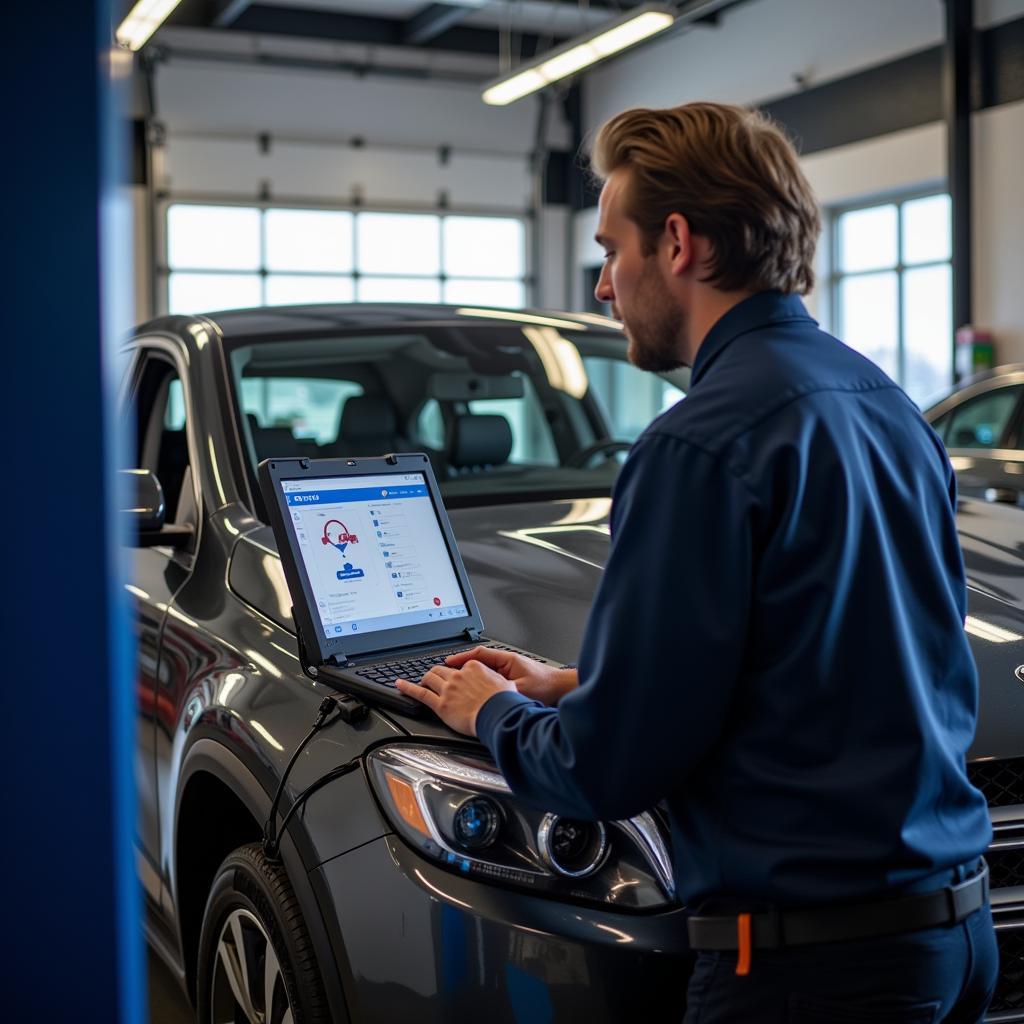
(702, 205)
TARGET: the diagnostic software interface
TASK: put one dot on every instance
(373, 551)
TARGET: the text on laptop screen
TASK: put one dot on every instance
(374, 552)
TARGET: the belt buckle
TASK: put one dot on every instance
(956, 895)
(763, 929)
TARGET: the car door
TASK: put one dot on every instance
(158, 572)
(981, 432)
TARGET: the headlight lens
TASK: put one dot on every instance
(572, 848)
(455, 808)
(476, 823)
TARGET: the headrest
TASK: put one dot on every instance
(367, 416)
(478, 441)
(274, 442)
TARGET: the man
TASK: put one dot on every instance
(776, 649)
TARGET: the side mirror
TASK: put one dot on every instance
(144, 497)
(145, 516)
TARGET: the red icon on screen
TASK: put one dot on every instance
(437, 600)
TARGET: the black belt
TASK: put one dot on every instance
(775, 929)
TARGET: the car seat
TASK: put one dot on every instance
(279, 442)
(477, 444)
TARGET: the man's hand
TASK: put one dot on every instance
(456, 695)
(532, 679)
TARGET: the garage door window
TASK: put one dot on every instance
(892, 289)
(224, 257)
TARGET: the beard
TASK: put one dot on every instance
(655, 325)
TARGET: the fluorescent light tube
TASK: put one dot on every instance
(579, 53)
(629, 34)
(142, 21)
(511, 89)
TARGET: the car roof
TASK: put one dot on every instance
(943, 397)
(278, 320)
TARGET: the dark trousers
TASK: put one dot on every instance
(938, 975)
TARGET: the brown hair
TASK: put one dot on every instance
(735, 177)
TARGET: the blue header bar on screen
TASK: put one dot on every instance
(338, 497)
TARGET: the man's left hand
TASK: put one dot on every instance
(456, 695)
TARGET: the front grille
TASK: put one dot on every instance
(1010, 986)
(1002, 782)
(1005, 867)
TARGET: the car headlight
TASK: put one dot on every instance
(455, 808)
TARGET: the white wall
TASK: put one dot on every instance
(757, 49)
(999, 227)
(752, 56)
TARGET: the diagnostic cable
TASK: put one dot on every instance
(349, 710)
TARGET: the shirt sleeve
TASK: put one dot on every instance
(662, 650)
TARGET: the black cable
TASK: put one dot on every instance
(269, 837)
(334, 773)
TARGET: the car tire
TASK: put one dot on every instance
(254, 948)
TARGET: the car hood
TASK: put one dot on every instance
(535, 567)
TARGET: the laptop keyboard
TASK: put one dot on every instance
(414, 669)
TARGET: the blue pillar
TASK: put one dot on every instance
(72, 938)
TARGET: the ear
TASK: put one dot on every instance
(678, 243)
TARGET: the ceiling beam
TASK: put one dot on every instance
(430, 22)
(352, 28)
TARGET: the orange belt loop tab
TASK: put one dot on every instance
(744, 944)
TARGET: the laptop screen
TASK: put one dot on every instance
(374, 552)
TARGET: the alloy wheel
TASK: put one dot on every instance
(248, 986)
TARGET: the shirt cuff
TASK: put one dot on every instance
(494, 709)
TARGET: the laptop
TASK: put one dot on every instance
(378, 587)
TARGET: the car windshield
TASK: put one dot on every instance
(504, 412)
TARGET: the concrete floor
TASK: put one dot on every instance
(167, 1003)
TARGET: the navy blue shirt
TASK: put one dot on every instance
(776, 648)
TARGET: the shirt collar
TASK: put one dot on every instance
(756, 311)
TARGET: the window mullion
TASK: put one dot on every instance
(901, 355)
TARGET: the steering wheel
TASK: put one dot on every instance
(607, 447)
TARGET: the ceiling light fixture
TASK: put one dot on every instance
(575, 55)
(142, 21)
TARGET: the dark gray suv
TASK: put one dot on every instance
(381, 906)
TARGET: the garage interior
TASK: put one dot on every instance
(224, 150)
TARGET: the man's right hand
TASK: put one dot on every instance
(533, 679)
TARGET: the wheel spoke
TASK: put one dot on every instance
(248, 980)
(232, 953)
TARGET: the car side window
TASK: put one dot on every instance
(310, 408)
(532, 443)
(430, 424)
(160, 420)
(981, 422)
(941, 425)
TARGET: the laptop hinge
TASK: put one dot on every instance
(307, 666)
(471, 634)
